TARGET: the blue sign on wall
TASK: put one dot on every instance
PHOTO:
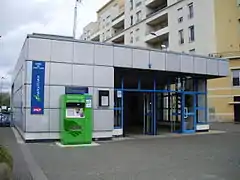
(37, 91)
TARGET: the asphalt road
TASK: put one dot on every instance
(198, 157)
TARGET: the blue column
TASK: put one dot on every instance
(154, 108)
(122, 101)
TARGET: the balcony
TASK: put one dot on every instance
(95, 36)
(118, 22)
(157, 17)
(155, 3)
(118, 39)
(158, 35)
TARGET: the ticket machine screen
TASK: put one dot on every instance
(75, 110)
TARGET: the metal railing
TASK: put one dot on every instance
(157, 10)
(225, 54)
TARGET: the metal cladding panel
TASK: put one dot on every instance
(37, 123)
(55, 94)
(103, 55)
(62, 51)
(95, 97)
(200, 65)
(123, 57)
(61, 74)
(54, 120)
(103, 120)
(212, 67)
(157, 60)
(173, 62)
(39, 49)
(46, 96)
(83, 53)
(187, 64)
(83, 75)
(103, 76)
(223, 68)
(141, 59)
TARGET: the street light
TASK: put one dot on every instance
(75, 17)
(2, 78)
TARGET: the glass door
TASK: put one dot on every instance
(147, 114)
(189, 112)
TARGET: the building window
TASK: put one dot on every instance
(131, 37)
(180, 19)
(137, 35)
(103, 36)
(236, 77)
(191, 34)
(181, 37)
(108, 20)
(131, 20)
(131, 4)
(190, 7)
(138, 3)
(138, 16)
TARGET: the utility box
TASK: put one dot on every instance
(76, 119)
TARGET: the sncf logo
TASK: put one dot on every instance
(37, 109)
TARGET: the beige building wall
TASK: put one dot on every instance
(227, 29)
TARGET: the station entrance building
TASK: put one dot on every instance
(134, 90)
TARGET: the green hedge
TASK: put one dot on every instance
(5, 157)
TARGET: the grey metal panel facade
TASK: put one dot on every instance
(103, 120)
(37, 123)
(62, 51)
(61, 74)
(39, 49)
(173, 62)
(103, 55)
(123, 57)
(140, 59)
(187, 64)
(212, 66)
(55, 93)
(200, 65)
(158, 60)
(54, 120)
(83, 53)
(103, 76)
(223, 68)
(83, 75)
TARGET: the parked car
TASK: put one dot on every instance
(4, 120)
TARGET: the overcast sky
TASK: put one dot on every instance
(21, 17)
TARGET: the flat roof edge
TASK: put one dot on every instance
(71, 39)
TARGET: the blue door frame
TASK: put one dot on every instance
(188, 113)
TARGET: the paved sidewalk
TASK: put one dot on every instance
(200, 157)
(20, 168)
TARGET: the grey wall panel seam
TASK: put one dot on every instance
(57, 85)
(61, 38)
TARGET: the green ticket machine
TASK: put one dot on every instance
(76, 119)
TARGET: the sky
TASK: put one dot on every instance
(21, 17)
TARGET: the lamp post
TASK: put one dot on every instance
(2, 78)
(75, 17)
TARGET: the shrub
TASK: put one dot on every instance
(5, 157)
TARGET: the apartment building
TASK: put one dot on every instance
(207, 27)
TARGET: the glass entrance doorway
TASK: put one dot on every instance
(148, 113)
(188, 112)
